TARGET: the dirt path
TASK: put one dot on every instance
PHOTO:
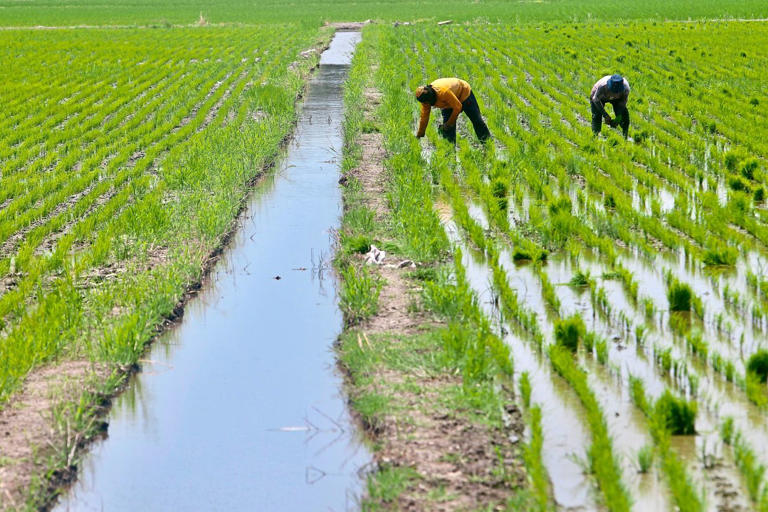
(456, 463)
(37, 424)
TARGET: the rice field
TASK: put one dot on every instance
(616, 289)
(624, 277)
(122, 170)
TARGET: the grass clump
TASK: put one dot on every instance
(727, 430)
(356, 244)
(748, 168)
(721, 256)
(678, 415)
(359, 296)
(757, 365)
(644, 459)
(569, 331)
(528, 252)
(580, 279)
(499, 190)
(681, 298)
(389, 482)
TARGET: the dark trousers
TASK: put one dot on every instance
(620, 112)
(470, 107)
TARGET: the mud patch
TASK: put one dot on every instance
(395, 300)
(99, 276)
(468, 464)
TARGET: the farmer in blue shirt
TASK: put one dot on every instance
(613, 89)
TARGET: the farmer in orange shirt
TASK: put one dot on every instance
(452, 96)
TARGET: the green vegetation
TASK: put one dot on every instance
(569, 331)
(757, 365)
(146, 12)
(644, 458)
(125, 154)
(684, 493)
(603, 462)
(678, 415)
(679, 296)
(359, 295)
(532, 456)
(101, 238)
(722, 256)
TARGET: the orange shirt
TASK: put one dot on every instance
(450, 93)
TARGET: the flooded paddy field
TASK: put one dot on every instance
(549, 320)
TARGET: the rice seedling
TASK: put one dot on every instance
(525, 388)
(602, 460)
(580, 279)
(757, 365)
(569, 331)
(679, 296)
(532, 456)
(721, 256)
(727, 430)
(645, 458)
(678, 415)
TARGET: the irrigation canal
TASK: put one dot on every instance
(239, 407)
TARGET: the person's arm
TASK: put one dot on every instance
(598, 104)
(424, 119)
(455, 104)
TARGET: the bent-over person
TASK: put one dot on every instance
(452, 96)
(613, 89)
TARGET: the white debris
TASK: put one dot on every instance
(375, 256)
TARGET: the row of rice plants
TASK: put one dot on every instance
(629, 281)
(470, 347)
(177, 198)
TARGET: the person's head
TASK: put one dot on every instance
(616, 83)
(426, 94)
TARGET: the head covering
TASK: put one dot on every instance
(426, 94)
(616, 83)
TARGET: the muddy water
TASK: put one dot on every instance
(239, 407)
(711, 467)
(566, 437)
(729, 331)
(625, 423)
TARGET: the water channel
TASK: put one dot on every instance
(239, 407)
